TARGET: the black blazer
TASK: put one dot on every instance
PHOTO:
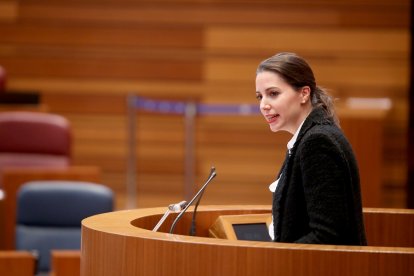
(318, 198)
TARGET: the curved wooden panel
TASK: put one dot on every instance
(119, 243)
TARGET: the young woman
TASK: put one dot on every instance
(316, 197)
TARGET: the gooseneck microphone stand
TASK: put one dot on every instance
(200, 192)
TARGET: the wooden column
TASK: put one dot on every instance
(410, 152)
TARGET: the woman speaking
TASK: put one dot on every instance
(316, 196)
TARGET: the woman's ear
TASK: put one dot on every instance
(305, 93)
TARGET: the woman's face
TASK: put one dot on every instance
(283, 107)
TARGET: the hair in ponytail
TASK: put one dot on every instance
(297, 72)
(321, 98)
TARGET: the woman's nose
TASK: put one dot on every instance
(264, 105)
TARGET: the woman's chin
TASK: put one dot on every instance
(274, 129)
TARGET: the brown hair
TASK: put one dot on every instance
(297, 73)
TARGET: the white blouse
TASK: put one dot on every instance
(273, 186)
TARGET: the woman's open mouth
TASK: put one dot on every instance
(272, 118)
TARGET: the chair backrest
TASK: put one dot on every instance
(49, 215)
(34, 139)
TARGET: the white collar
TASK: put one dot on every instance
(292, 141)
(290, 144)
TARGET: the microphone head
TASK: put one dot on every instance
(212, 172)
(177, 207)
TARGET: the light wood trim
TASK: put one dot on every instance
(335, 40)
(361, 72)
(13, 178)
(17, 263)
(120, 243)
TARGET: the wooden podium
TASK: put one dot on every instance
(122, 243)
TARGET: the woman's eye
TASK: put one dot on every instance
(259, 97)
(273, 94)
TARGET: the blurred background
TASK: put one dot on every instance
(83, 58)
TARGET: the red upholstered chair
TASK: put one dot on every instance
(34, 139)
(30, 140)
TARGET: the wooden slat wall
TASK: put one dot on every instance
(84, 57)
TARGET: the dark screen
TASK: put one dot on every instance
(252, 232)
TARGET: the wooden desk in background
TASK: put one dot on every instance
(365, 131)
(65, 263)
(13, 263)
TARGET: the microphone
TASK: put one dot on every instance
(198, 195)
(177, 207)
(171, 208)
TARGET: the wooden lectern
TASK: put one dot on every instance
(122, 243)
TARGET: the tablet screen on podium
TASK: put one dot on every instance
(252, 227)
(252, 231)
